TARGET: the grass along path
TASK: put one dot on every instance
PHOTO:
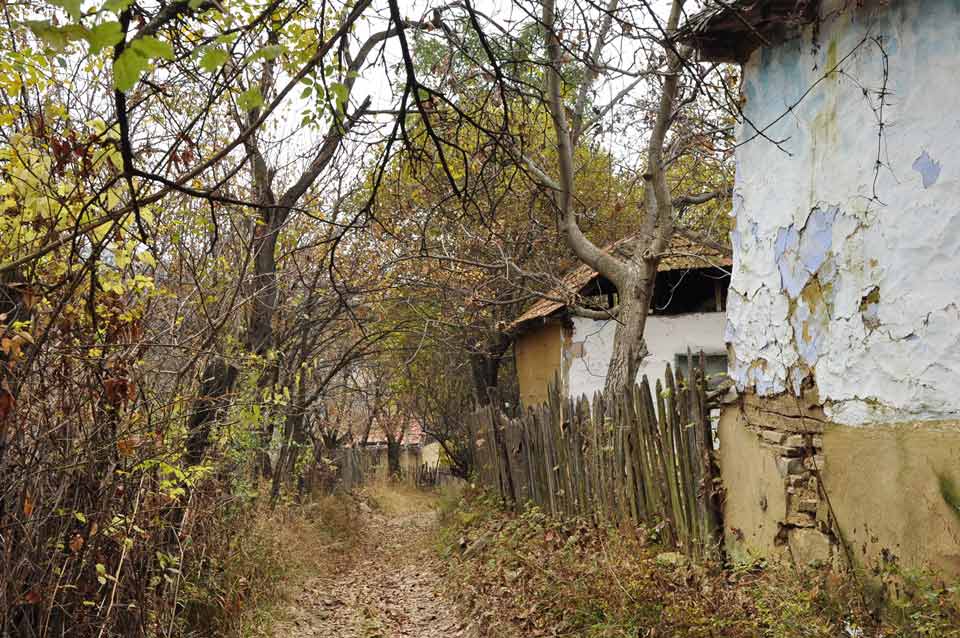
(389, 584)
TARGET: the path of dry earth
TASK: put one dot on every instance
(390, 588)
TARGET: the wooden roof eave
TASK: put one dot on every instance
(731, 30)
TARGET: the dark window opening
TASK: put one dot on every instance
(685, 291)
(600, 294)
(675, 292)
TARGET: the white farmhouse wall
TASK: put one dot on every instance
(847, 239)
(592, 346)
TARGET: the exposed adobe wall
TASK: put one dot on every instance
(771, 460)
(538, 353)
(896, 492)
(591, 346)
(797, 484)
(847, 270)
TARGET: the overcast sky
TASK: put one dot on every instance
(377, 81)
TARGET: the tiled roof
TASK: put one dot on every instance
(413, 435)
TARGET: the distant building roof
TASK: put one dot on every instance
(729, 30)
(684, 254)
(413, 436)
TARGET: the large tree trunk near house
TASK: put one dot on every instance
(629, 346)
(634, 276)
(485, 372)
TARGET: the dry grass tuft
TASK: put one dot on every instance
(397, 498)
(243, 589)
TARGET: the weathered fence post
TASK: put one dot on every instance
(507, 490)
(642, 456)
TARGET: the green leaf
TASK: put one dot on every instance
(268, 53)
(106, 34)
(72, 7)
(340, 93)
(250, 99)
(213, 58)
(57, 38)
(306, 93)
(127, 69)
(49, 34)
(150, 47)
(135, 59)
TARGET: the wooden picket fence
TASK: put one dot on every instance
(647, 457)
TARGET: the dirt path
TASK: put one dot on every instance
(388, 587)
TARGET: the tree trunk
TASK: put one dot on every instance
(218, 379)
(636, 284)
(259, 335)
(635, 276)
(485, 360)
(259, 338)
(485, 372)
(295, 438)
(393, 458)
(629, 346)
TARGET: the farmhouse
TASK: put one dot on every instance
(843, 315)
(687, 314)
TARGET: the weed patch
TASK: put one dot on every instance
(527, 574)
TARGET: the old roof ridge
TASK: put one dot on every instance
(684, 254)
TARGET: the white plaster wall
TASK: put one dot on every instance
(430, 454)
(844, 269)
(666, 336)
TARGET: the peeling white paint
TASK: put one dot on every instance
(844, 271)
(666, 337)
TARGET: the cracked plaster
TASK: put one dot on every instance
(828, 282)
